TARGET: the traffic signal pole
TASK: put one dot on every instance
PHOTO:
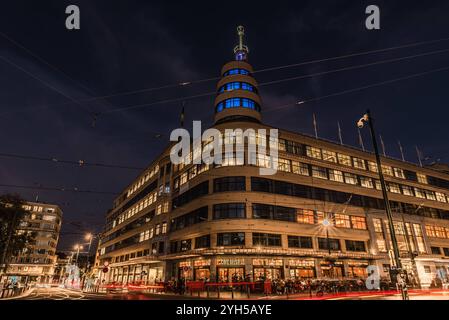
(387, 208)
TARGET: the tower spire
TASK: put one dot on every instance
(241, 51)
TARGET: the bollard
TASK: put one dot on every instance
(218, 292)
(207, 289)
(248, 291)
(232, 292)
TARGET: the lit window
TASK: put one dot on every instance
(313, 152)
(440, 197)
(159, 209)
(335, 175)
(305, 216)
(372, 166)
(300, 168)
(359, 163)
(284, 165)
(183, 178)
(319, 172)
(350, 178)
(151, 232)
(358, 222)
(422, 178)
(420, 193)
(366, 182)
(407, 190)
(158, 229)
(342, 221)
(430, 195)
(164, 227)
(398, 173)
(344, 159)
(387, 170)
(394, 188)
(329, 156)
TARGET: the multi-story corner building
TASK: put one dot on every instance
(37, 262)
(320, 216)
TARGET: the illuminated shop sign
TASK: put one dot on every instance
(268, 262)
(230, 262)
(301, 263)
(201, 263)
(185, 264)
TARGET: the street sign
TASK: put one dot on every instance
(105, 270)
(106, 264)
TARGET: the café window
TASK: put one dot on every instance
(356, 246)
(325, 244)
(300, 242)
(231, 239)
(266, 239)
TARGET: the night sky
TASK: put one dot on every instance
(45, 70)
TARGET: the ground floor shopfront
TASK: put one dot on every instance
(28, 274)
(141, 273)
(250, 268)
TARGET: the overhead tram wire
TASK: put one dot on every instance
(317, 74)
(60, 189)
(187, 83)
(377, 84)
(80, 163)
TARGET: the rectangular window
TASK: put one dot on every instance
(300, 168)
(372, 166)
(344, 159)
(266, 239)
(335, 175)
(325, 244)
(342, 221)
(380, 235)
(229, 184)
(435, 250)
(430, 195)
(231, 239)
(359, 163)
(164, 227)
(229, 211)
(329, 156)
(358, 222)
(420, 193)
(350, 178)
(394, 187)
(313, 152)
(356, 246)
(264, 211)
(398, 173)
(419, 237)
(441, 197)
(366, 182)
(407, 191)
(422, 178)
(319, 172)
(386, 170)
(300, 242)
(306, 216)
(202, 242)
(284, 165)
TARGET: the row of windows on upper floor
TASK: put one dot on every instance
(359, 163)
(265, 240)
(237, 85)
(140, 182)
(235, 71)
(35, 208)
(287, 165)
(237, 103)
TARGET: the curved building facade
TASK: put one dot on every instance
(320, 216)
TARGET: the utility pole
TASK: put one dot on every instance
(367, 118)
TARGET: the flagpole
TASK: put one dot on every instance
(382, 145)
(339, 133)
(387, 204)
(401, 150)
(361, 140)
(418, 153)
(315, 127)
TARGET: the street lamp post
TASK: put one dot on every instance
(77, 248)
(367, 118)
